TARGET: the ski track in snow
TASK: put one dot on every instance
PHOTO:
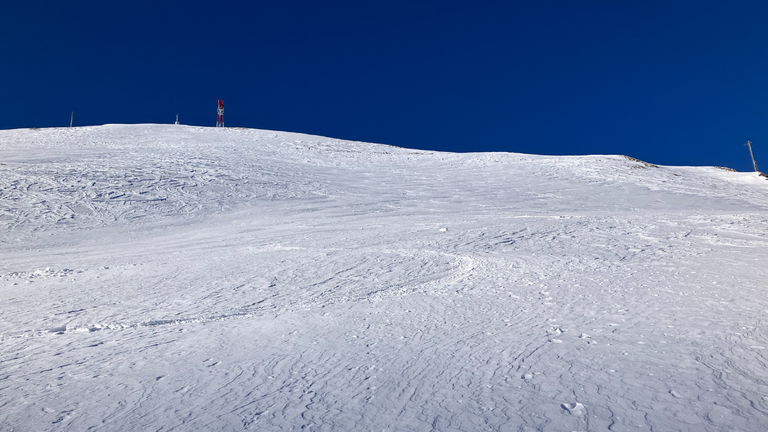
(181, 278)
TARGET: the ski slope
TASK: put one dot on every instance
(177, 278)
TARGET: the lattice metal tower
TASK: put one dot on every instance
(220, 114)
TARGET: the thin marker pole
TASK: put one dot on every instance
(71, 117)
(754, 164)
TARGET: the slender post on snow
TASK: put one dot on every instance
(71, 117)
(754, 164)
(177, 119)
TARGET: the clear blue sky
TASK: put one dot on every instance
(669, 82)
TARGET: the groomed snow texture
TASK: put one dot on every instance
(176, 278)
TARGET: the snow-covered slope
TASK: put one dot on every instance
(160, 277)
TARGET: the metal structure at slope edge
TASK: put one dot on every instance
(754, 164)
(220, 114)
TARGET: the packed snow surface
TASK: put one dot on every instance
(182, 278)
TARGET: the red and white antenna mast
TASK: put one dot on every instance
(220, 114)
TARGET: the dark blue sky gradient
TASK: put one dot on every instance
(677, 83)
